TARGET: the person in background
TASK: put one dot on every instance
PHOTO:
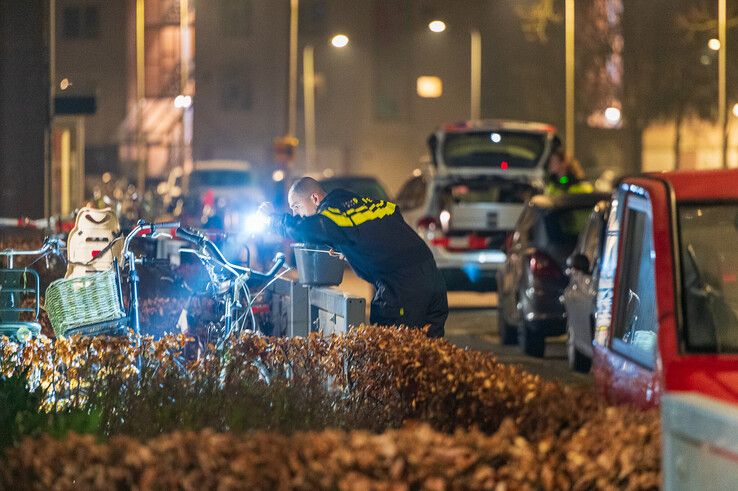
(380, 247)
(564, 174)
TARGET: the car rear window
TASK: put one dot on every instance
(485, 191)
(219, 178)
(708, 235)
(501, 150)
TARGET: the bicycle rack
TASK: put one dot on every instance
(333, 311)
(289, 308)
(298, 309)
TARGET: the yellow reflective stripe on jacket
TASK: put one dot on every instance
(359, 215)
(338, 218)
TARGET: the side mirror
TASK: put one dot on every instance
(580, 263)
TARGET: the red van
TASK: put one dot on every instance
(666, 317)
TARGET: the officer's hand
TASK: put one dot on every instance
(266, 209)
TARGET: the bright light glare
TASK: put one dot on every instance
(495, 137)
(182, 101)
(714, 44)
(437, 26)
(65, 83)
(735, 110)
(612, 115)
(256, 223)
(418, 172)
(278, 175)
(340, 40)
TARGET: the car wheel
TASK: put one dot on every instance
(578, 361)
(508, 333)
(531, 342)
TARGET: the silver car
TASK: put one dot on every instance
(465, 222)
(467, 204)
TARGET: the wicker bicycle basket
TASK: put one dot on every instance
(84, 301)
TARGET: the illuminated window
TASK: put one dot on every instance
(429, 86)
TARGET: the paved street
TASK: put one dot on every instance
(472, 323)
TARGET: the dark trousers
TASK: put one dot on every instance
(414, 297)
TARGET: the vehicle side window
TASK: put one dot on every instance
(637, 320)
(524, 228)
(412, 194)
(592, 236)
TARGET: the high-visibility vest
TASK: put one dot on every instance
(581, 187)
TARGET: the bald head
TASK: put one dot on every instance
(304, 197)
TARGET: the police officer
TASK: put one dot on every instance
(380, 247)
(565, 175)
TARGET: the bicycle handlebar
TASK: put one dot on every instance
(203, 242)
(50, 245)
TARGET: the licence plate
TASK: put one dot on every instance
(492, 220)
(458, 242)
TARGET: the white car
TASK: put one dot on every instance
(465, 208)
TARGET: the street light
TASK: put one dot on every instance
(437, 26)
(714, 44)
(340, 41)
(612, 115)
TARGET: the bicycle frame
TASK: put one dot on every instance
(141, 228)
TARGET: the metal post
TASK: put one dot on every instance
(476, 75)
(184, 31)
(140, 96)
(292, 104)
(49, 136)
(722, 102)
(308, 78)
(569, 77)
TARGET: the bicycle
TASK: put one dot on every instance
(229, 287)
(14, 285)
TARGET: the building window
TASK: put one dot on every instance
(80, 22)
(235, 17)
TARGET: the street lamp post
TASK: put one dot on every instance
(475, 75)
(308, 79)
(569, 21)
(140, 97)
(292, 83)
(722, 117)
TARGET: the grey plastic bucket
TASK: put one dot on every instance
(315, 266)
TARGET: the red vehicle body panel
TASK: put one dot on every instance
(623, 380)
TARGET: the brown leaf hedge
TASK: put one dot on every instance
(378, 408)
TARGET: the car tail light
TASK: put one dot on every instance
(429, 223)
(542, 266)
(477, 242)
(440, 241)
